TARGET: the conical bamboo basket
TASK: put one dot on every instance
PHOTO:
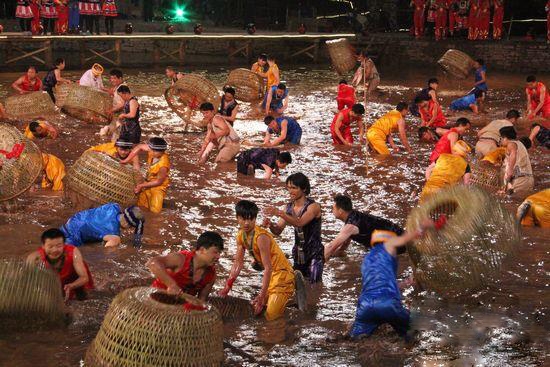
(30, 105)
(341, 55)
(249, 86)
(88, 104)
(456, 63)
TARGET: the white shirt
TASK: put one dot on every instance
(89, 80)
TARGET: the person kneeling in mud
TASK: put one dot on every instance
(66, 261)
(270, 160)
(267, 256)
(380, 299)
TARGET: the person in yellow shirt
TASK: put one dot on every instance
(118, 150)
(535, 210)
(278, 275)
(381, 130)
(495, 157)
(152, 191)
(259, 66)
(40, 129)
(54, 172)
(449, 170)
(273, 75)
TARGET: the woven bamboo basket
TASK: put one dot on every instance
(487, 176)
(18, 174)
(30, 297)
(232, 308)
(342, 55)
(468, 252)
(146, 327)
(187, 94)
(88, 104)
(30, 105)
(102, 179)
(249, 86)
(61, 91)
(456, 63)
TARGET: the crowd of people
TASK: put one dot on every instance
(193, 271)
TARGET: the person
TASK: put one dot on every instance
(273, 74)
(540, 135)
(173, 75)
(278, 275)
(229, 106)
(48, 14)
(24, 13)
(110, 12)
(36, 22)
(380, 299)
(104, 223)
(153, 190)
(430, 134)
(518, 173)
(358, 226)
(119, 150)
(346, 95)
(92, 77)
(483, 19)
(220, 134)
(440, 20)
(270, 160)
(276, 100)
(53, 76)
(340, 128)
(498, 18)
(489, 136)
(53, 172)
(116, 78)
(538, 98)
(305, 215)
(453, 6)
(430, 112)
(130, 128)
(28, 83)
(66, 261)
(449, 169)
(381, 131)
(191, 272)
(429, 92)
(535, 210)
(473, 20)
(93, 14)
(40, 129)
(471, 102)
(447, 141)
(480, 77)
(259, 67)
(367, 73)
(418, 17)
(74, 17)
(287, 128)
(62, 23)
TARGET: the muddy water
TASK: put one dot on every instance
(505, 325)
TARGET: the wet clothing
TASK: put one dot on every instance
(424, 94)
(477, 77)
(378, 133)
(257, 157)
(152, 197)
(29, 135)
(496, 156)
(308, 251)
(543, 137)
(443, 146)
(539, 211)
(184, 276)
(293, 130)
(380, 299)
(276, 101)
(271, 79)
(89, 80)
(463, 103)
(27, 86)
(345, 127)
(367, 224)
(426, 115)
(67, 274)
(226, 109)
(490, 137)
(93, 224)
(229, 145)
(54, 172)
(49, 82)
(107, 148)
(345, 97)
(522, 179)
(449, 170)
(131, 130)
(281, 284)
(535, 100)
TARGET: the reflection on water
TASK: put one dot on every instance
(502, 326)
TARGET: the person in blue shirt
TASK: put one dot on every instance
(276, 100)
(468, 102)
(380, 299)
(480, 76)
(103, 223)
(287, 129)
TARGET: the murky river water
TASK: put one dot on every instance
(505, 325)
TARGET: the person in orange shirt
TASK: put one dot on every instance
(538, 99)
(380, 132)
(40, 129)
(346, 95)
(54, 172)
(535, 210)
(118, 150)
(273, 76)
(259, 66)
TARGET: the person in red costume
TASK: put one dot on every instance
(538, 99)
(547, 8)
(62, 23)
(473, 20)
(346, 95)
(498, 18)
(431, 113)
(483, 19)
(418, 17)
(340, 129)
(441, 20)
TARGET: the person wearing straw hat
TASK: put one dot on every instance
(153, 190)
(191, 272)
(340, 128)
(92, 77)
(358, 226)
(30, 82)
(219, 134)
(518, 174)
(53, 172)
(130, 129)
(104, 223)
(449, 169)
(66, 261)
(535, 210)
(381, 131)
(118, 150)
(40, 129)
(288, 129)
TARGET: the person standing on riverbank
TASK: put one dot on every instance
(418, 17)
(441, 18)
(498, 18)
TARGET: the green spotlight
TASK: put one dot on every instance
(180, 13)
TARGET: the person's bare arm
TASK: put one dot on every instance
(80, 268)
(393, 243)
(137, 149)
(542, 98)
(392, 143)
(267, 139)
(206, 140)
(474, 108)
(313, 211)
(233, 116)
(265, 253)
(343, 237)
(158, 265)
(111, 240)
(236, 268)
(268, 171)
(282, 135)
(17, 85)
(403, 135)
(285, 105)
(534, 131)
(358, 76)
(453, 138)
(162, 175)
(59, 78)
(339, 120)
(511, 152)
(275, 228)
(203, 296)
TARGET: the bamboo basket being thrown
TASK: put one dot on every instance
(29, 105)
(147, 327)
(87, 104)
(249, 86)
(341, 55)
(456, 63)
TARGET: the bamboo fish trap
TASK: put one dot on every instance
(88, 104)
(102, 179)
(30, 105)
(17, 174)
(232, 308)
(467, 253)
(486, 176)
(30, 297)
(341, 55)
(61, 91)
(456, 63)
(186, 96)
(249, 86)
(146, 327)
